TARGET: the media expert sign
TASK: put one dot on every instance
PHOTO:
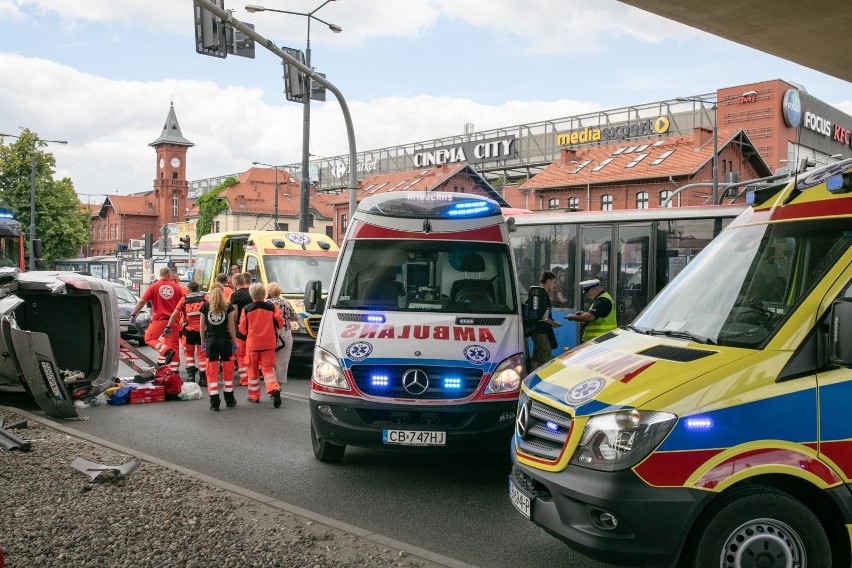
(472, 152)
(659, 125)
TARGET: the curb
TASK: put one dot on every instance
(376, 538)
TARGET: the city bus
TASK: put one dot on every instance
(634, 253)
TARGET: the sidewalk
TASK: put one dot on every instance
(162, 515)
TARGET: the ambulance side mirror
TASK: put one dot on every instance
(839, 332)
(314, 304)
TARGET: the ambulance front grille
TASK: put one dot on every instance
(443, 382)
(313, 324)
(542, 431)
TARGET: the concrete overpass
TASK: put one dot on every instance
(813, 33)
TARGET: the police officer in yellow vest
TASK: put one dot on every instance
(601, 315)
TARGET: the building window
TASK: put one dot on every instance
(642, 200)
(343, 220)
(665, 195)
(553, 203)
(606, 202)
(310, 220)
(216, 226)
(329, 232)
(573, 203)
(175, 205)
(283, 226)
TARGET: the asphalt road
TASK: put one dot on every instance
(454, 505)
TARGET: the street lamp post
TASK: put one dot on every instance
(304, 187)
(588, 182)
(36, 140)
(275, 199)
(715, 102)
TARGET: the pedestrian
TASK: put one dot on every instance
(601, 316)
(543, 336)
(188, 311)
(176, 280)
(217, 328)
(164, 296)
(284, 347)
(227, 287)
(259, 323)
(240, 299)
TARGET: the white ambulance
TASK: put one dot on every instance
(421, 344)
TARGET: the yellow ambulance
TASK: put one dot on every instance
(291, 259)
(716, 428)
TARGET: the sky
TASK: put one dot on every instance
(101, 74)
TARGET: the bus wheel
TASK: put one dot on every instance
(762, 528)
(324, 450)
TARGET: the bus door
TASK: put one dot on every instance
(633, 291)
(595, 260)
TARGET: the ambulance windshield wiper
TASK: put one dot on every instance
(681, 334)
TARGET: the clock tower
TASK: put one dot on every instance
(170, 184)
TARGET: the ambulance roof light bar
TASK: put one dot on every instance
(430, 205)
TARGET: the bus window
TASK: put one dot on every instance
(595, 262)
(632, 274)
(252, 267)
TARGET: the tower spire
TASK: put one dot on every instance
(171, 131)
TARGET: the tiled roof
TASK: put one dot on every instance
(675, 156)
(255, 194)
(129, 205)
(436, 178)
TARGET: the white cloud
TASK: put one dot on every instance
(543, 26)
(110, 123)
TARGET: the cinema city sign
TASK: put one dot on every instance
(471, 152)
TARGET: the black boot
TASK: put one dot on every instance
(276, 398)
(190, 374)
(214, 401)
(202, 379)
(230, 400)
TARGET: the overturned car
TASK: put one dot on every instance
(58, 337)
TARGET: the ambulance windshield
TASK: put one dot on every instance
(741, 288)
(292, 272)
(426, 275)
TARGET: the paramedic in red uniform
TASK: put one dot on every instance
(164, 296)
(260, 323)
(218, 336)
(240, 299)
(189, 311)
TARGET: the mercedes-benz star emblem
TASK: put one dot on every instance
(415, 382)
(523, 419)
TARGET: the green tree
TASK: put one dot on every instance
(209, 205)
(62, 222)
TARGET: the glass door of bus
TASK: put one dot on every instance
(633, 284)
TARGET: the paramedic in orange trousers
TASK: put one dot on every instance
(188, 311)
(240, 299)
(218, 340)
(164, 296)
(260, 323)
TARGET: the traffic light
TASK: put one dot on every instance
(184, 243)
(148, 245)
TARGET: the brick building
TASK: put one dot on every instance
(125, 217)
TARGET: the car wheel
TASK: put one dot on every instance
(324, 450)
(762, 527)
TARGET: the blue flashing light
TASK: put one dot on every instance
(429, 205)
(379, 380)
(552, 426)
(452, 383)
(6, 214)
(699, 423)
(372, 318)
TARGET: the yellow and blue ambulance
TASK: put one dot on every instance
(715, 429)
(421, 345)
(289, 258)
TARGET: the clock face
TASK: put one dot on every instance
(162, 162)
(175, 162)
